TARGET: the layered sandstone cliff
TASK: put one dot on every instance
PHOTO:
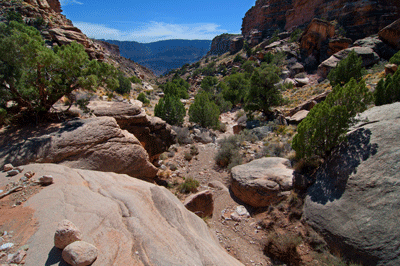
(358, 18)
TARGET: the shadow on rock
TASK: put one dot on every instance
(55, 257)
(332, 176)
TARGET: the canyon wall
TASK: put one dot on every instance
(358, 18)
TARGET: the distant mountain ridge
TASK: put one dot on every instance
(163, 56)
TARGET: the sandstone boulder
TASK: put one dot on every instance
(96, 144)
(262, 182)
(80, 253)
(368, 56)
(201, 203)
(353, 199)
(153, 133)
(298, 117)
(129, 221)
(66, 234)
(391, 34)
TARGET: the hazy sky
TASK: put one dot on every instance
(150, 20)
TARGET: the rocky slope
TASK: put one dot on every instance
(358, 18)
(131, 222)
(354, 200)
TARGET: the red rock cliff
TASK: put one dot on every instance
(358, 18)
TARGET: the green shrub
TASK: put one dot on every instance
(295, 36)
(135, 80)
(236, 89)
(124, 84)
(395, 59)
(326, 124)
(238, 59)
(177, 87)
(190, 185)
(388, 91)
(203, 111)
(14, 16)
(3, 115)
(208, 84)
(350, 67)
(143, 99)
(170, 109)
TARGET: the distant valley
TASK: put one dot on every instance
(163, 56)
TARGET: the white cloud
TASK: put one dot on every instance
(70, 2)
(153, 31)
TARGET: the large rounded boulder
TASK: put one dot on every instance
(262, 182)
(355, 200)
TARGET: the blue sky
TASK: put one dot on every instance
(149, 20)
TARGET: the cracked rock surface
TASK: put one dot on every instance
(130, 221)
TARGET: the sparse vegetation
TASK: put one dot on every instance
(189, 185)
(228, 154)
(142, 97)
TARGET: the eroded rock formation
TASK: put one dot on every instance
(95, 144)
(130, 222)
(358, 18)
(226, 43)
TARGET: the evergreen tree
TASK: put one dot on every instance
(348, 68)
(36, 77)
(170, 109)
(203, 111)
(327, 123)
(263, 93)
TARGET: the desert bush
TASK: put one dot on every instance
(170, 109)
(203, 111)
(183, 135)
(190, 185)
(283, 247)
(228, 153)
(348, 68)
(142, 97)
(238, 59)
(208, 84)
(388, 90)
(135, 79)
(194, 150)
(188, 156)
(326, 124)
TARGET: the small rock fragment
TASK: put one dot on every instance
(8, 167)
(19, 168)
(6, 246)
(46, 180)
(18, 257)
(13, 172)
(66, 234)
(80, 253)
(29, 174)
(23, 179)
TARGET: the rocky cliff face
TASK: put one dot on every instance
(358, 18)
(226, 43)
